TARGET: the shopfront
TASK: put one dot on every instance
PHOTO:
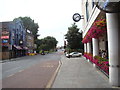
(5, 44)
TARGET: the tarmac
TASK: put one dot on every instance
(79, 73)
(36, 76)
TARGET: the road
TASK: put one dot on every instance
(35, 69)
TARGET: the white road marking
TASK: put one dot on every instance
(11, 75)
(20, 70)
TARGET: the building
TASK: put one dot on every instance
(19, 41)
(5, 37)
(30, 41)
(13, 39)
(101, 38)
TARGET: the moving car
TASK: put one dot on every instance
(74, 54)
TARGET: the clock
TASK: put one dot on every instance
(76, 17)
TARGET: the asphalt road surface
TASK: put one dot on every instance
(30, 71)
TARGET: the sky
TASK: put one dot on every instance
(53, 16)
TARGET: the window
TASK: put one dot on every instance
(93, 3)
(87, 13)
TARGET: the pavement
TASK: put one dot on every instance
(79, 73)
(13, 59)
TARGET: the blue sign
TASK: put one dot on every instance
(4, 41)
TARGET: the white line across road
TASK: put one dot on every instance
(11, 75)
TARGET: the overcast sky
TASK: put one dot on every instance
(53, 16)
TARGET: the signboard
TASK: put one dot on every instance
(5, 44)
(5, 41)
(5, 32)
(4, 37)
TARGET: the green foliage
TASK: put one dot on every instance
(100, 59)
(46, 51)
(40, 51)
(74, 37)
(43, 47)
(69, 50)
(29, 24)
(47, 43)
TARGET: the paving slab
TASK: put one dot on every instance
(79, 73)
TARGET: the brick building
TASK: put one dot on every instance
(30, 42)
(13, 39)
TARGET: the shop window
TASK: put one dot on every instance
(5, 49)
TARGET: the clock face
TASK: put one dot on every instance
(76, 17)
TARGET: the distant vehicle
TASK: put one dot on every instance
(74, 54)
(63, 49)
(42, 53)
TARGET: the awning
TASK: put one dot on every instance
(25, 48)
(17, 47)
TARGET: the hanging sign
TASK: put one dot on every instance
(5, 41)
(5, 32)
(4, 37)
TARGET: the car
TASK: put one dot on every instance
(67, 55)
(42, 53)
(75, 54)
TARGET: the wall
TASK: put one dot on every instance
(5, 55)
(30, 42)
(93, 14)
(0, 41)
(102, 42)
(0, 55)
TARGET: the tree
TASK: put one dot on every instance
(30, 25)
(74, 37)
(48, 43)
(44, 47)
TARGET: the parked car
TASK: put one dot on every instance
(42, 52)
(74, 54)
